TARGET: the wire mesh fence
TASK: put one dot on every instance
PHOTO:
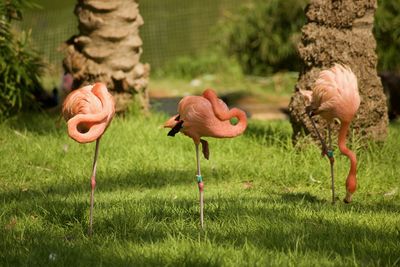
(172, 28)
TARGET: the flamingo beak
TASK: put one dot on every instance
(176, 129)
(170, 123)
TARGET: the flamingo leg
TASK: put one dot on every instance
(331, 161)
(93, 185)
(323, 144)
(327, 151)
(201, 187)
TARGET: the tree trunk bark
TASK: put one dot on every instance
(108, 50)
(340, 31)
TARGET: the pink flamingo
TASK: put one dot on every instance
(335, 95)
(205, 116)
(88, 112)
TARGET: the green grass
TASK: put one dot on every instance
(267, 203)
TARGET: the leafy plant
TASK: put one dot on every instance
(263, 35)
(211, 61)
(387, 34)
(20, 65)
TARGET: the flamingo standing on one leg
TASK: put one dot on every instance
(205, 116)
(335, 95)
(88, 112)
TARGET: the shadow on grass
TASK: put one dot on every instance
(37, 122)
(46, 249)
(301, 197)
(230, 221)
(136, 179)
(272, 133)
(149, 179)
(285, 230)
(357, 206)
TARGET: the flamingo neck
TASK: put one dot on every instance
(223, 115)
(240, 126)
(97, 122)
(351, 181)
(231, 130)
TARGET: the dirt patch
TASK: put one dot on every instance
(254, 107)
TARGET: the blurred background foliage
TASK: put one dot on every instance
(20, 65)
(387, 34)
(263, 35)
(211, 61)
(261, 38)
(182, 39)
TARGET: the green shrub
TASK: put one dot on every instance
(211, 61)
(20, 65)
(263, 35)
(387, 34)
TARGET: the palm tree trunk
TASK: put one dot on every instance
(108, 49)
(341, 32)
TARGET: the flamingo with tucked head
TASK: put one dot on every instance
(88, 112)
(205, 116)
(335, 95)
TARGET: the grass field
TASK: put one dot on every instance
(267, 203)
